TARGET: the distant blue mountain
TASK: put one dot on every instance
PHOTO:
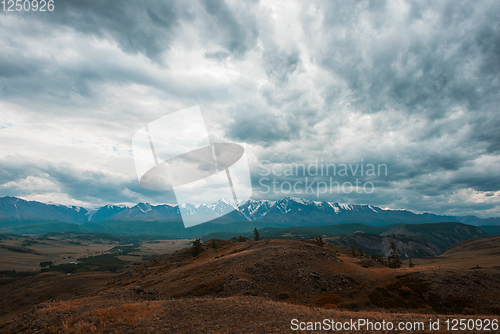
(13, 208)
(105, 212)
(288, 211)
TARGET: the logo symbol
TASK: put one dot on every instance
(175, 153)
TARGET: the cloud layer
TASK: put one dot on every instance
(413, 85)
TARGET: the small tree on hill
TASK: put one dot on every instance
(353, 251)
(319, 241)
(256, 235)
(393, 260)
(410, 263)
(360, 252)
(196, 249)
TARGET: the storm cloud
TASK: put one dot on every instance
(414, 85)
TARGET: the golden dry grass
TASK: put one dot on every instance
(196, 315)
(253, 287)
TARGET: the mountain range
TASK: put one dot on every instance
(288, 211)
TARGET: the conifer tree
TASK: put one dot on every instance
(196, 249)
(256, 235)
(393, 260)
(360, 251)
(353, 251)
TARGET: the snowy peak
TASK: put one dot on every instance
(254, 210)
(224, 204)
(143, 207)
(105, 212)
(286, 211)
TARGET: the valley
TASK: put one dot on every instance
(25, 253)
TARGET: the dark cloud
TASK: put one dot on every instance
(20, 177)
(236, 34)
(413, 84)
(413, 63)
(256, 125)
(279, 65)
(147, 27)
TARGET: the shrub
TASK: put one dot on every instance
(46, 264)
(319, 241)
(282, 295)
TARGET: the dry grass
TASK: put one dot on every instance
(199, 315)
(304, 273)
(23, 295)
(257, 287)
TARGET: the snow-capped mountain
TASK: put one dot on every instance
(13, 208)
(254, 210)
(105, 212)
(287, 211)
(148, 212)
(206, 212)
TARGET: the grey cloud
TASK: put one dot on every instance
(79, 184)
(147, 27)
(217, 55)
(10, 68)
(236, 34)
(142, 27)
(255, 125)
(426, 71)
(487, 131)
(279, 64)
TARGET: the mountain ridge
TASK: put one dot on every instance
(290, 211)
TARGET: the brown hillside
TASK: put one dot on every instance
(197, 315)
(253, 286)
(468, 254)
(486, 246)
(304, 273)
(296, 271)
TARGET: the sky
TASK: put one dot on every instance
(410, 85)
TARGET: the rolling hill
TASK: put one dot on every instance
(258, 283)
